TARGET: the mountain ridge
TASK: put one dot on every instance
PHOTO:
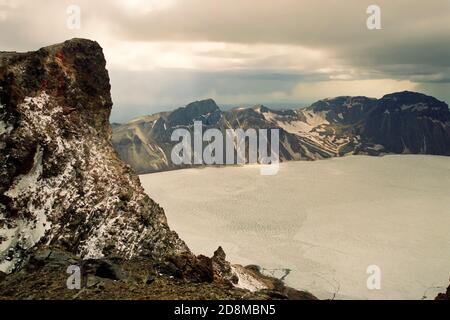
(398, 123)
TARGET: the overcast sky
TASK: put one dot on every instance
(163, 54)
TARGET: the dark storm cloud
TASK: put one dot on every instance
(413, 31)
(165, 53)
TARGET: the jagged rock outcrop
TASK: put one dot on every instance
(61, 182)
(44, 277)
(67, 199)
(398, 123)
(444, 296)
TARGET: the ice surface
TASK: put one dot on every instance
(327, 221)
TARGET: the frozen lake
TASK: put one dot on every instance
(326, 221)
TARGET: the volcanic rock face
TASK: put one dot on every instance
(399, 123)
(61, 183)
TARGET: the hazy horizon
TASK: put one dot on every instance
(225, 107)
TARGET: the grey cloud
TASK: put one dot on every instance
(414, 32)
(413, 44)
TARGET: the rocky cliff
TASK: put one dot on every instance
(66, 199)
(61, 183)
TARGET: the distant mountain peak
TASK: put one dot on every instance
(407, 93)
(206, 103)
(199, 110)
(410, 98)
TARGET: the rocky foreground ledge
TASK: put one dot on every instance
(445, 295)
(66, 198)
(112, 278)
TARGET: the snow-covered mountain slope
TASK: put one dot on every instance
(61, 182)
(404, 122)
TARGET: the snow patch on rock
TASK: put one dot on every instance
(25, 232)
(246, 280)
